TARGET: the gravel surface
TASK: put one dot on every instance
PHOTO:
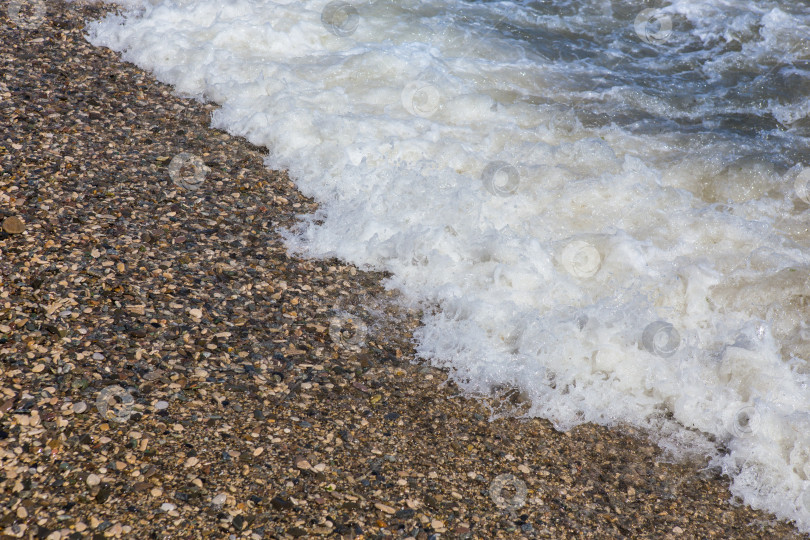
(166, 371)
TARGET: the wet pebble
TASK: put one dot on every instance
(13, 225)
(280, 503)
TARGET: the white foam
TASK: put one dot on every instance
(454, 156)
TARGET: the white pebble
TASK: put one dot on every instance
(98, 356)
(93, 480)
(160, 405)
(79, 407)
(167, 507)
(219, 500)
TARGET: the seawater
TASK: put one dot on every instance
(601, 204)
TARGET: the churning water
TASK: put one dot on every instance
(601, 203)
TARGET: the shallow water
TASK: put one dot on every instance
(603, 206)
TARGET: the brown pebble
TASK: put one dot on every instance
(13, 225)
(385, 508)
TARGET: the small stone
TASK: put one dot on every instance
(137, 309)
(192, 461)
(677, 530)
(385, 508)
(22, 513)
(281, 504)
(80, 407)
(103, 493)
(93, 480)
(98, 356)
(219, 500)
(161, 405)
(6, 405)
(303, 464)
(167, 507)
(55, 330)
(38, 368)
(13, 225)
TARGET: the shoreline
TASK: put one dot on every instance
(243, 411)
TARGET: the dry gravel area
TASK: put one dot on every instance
(167, 371)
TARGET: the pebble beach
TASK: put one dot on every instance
(168, 371)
